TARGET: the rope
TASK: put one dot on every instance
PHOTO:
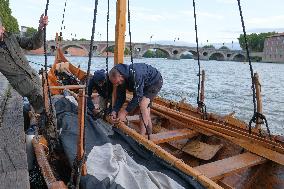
(78, 166)
(63, 18)
(39, 64)
(50, 120)
(256, 114)
(200, 104)
(107, 57)
(133, 72)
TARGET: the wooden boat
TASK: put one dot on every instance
(218, 149)
(218, 152)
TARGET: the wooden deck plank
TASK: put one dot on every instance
(13, 158)
(172, 135)
(219, 169)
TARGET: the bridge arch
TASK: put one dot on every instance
(238, 57)
(80, 50)
(217, 56)
(189, 51)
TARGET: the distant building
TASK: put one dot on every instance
(274, 48)
(23, 30)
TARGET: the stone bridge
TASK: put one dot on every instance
(173, 52)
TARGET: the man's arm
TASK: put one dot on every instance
(121, 97)
(138, 93)
(90, 103)
(36, 41)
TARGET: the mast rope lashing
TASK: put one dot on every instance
(133, 71)
(255, 114)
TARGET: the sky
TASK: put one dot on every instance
(165, 20)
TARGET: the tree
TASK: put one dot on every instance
(208, 47)
(126, 51)
(255, 41)
(10, 22)
(224, 48)
(110, 49)
(149, 54)
(30, 31)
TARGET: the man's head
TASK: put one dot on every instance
(115, 77)
(99, 77)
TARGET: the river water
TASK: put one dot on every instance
(227, 86)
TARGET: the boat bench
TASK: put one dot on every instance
(225, 167)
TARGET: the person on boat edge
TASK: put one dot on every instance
(145, 82)
(103, 86)
(15, 67)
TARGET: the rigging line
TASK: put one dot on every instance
(256, 114)
(107, 57)
(86, 92)
(63, 19)
(46, 75)
(131, 59)
(200, 104)
(197, 49)
(247, 51)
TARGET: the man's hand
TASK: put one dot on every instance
(43, 21)
(122, 115)
(2, 30)
(113, 116)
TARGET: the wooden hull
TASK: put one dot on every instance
(219, 150)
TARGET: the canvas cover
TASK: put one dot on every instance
(114, 160)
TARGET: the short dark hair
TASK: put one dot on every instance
(114, 73)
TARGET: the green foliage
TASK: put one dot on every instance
(157, 53)
(110, 49)
(82, 39)
(9, 22)
(224, 48)
(126, 51)
(255, 41)
(186, 56)
(30, 31)
(208, 47)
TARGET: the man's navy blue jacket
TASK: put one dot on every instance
(104, 91)
(145, 76)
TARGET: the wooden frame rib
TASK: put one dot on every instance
(179, 164)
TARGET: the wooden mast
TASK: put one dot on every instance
(120, 28)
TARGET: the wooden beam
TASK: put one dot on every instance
(120, 28)
(70, 87)
(172, 135)
(81, 120)
(219, 169)
(202, 91)
(258, 99)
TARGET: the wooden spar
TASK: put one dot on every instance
(40, 148)
(258, 99)
(179, 164)
(258, 145)
(81, 120)
(120, 28)
(74, 87)
(202, 94)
